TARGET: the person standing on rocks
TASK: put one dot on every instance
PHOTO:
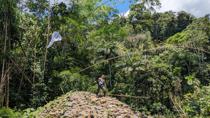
(101, 85)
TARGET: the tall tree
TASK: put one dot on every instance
(183, 20)
(9, 35)
(141, 15)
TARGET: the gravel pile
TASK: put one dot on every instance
(85, 105)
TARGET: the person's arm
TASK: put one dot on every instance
(96, 81)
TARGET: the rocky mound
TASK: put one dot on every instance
(85, 105)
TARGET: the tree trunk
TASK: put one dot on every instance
(2, 83)
(7, 86)
(48, 34)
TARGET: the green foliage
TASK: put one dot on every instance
(9, 113)
(168, 24)
(190, 37)
(71, 80)
(197, 104)
(196, 33)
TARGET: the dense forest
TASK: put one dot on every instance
(161, 58)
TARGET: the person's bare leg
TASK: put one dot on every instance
(98, 91)
(104, 91)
